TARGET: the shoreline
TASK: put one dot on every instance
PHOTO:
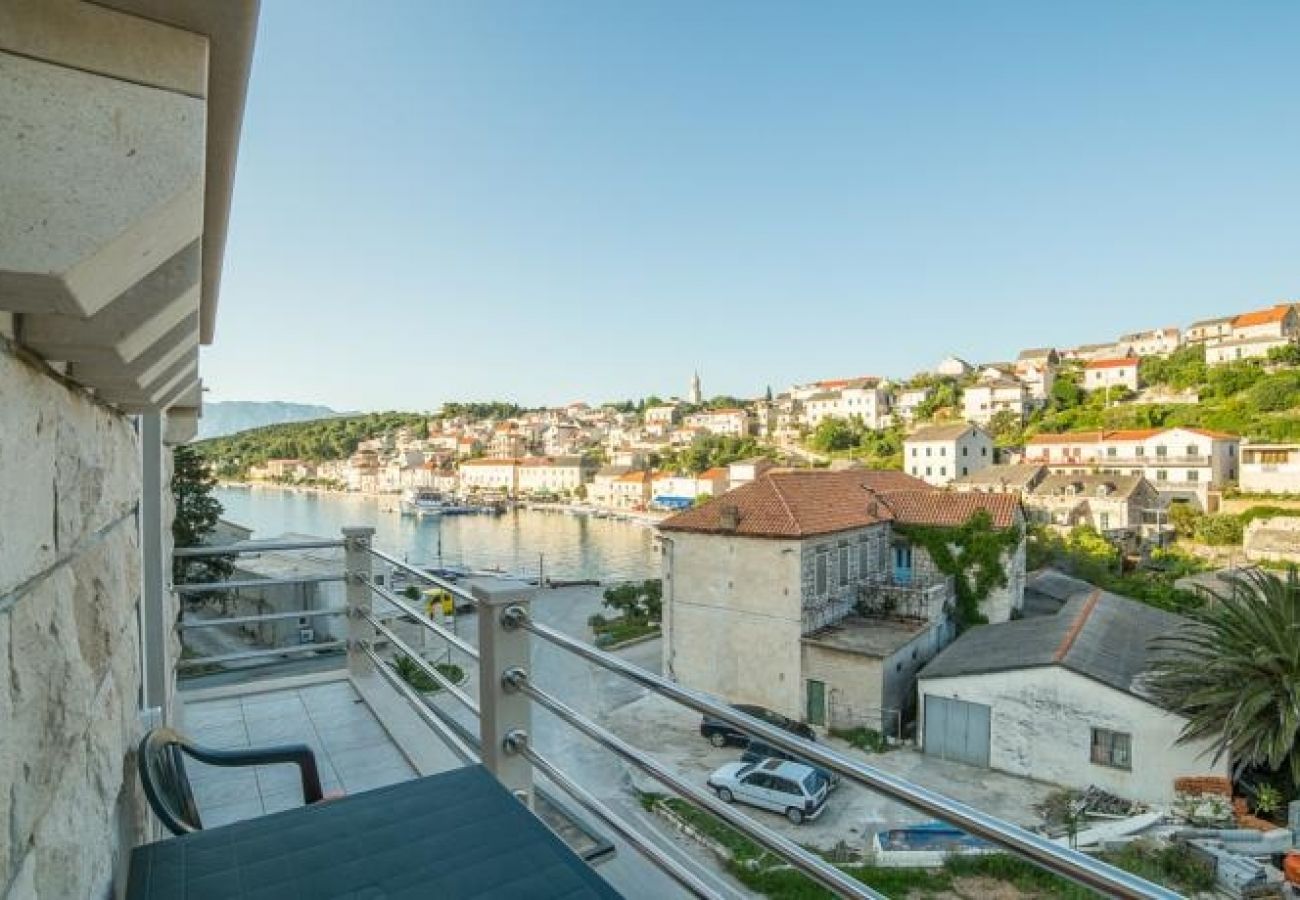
(600, 512)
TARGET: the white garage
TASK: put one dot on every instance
(1059, 698)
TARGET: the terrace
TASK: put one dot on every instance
(369, 728)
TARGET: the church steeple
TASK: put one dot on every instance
(696, 395)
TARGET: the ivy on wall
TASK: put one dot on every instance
(971, 554)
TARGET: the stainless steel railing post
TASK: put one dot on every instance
(358, 568)
(505, 714)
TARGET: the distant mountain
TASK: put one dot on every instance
(232, 416)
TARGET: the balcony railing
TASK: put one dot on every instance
(1129, 461)
(508, 694)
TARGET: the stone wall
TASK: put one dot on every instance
(70, 807)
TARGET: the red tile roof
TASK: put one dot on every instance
(1132, 434)
(1262, 316)
(1112, 363)
(798, 504)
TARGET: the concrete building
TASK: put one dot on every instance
(1270, 468)
(797, 592)
(734, 422)
(1156, 342)
(661, 418)
(992, 395)
(554, 475)
(489, 475)
(743, 471)
(1184, 464)
(632, 490)
(1104, 374)
(1209, 331)
(865, 400)
(601, 491)
(1109, 503)
(1060, 698)
(1235, 349)
(939, 453)
(908, 400)
(116, 169)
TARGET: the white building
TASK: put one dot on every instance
(908, 399)
(1060, 698)
(760, 587)
(1234, 349)
(743, 471)
(553, 474)
(1156, 342)
(953, 367)
(734, 422)
(939, 453)
(1103, 374)
(1209, 331)
(495, 475)
(982, 401)
(1270, 468)
(660, 418)
(865, 400)
(1182, 463)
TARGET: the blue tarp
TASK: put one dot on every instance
(674, 502)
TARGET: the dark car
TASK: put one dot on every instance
(720, 733)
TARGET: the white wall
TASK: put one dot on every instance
(1041, 725)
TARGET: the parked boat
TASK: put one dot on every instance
(422, 502)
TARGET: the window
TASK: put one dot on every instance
(1193, 476)
(1162, 451)
(927, 470)
(1112, 748)
(943, 470)
(984, 451)
(1191, 450)
(864, 557)
(927, 451)
(963, 470)
(1139, 451)
(965, 451)
(943, 451)
(844, 564)
(1103, 521)
(1162, 475)
(823, 562)
(1112, 451)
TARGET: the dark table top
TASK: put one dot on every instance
(455, 835)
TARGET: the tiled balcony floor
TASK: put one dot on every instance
(353, 751)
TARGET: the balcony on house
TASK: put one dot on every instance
(370, 729)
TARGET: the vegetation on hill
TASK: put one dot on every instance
(851, 439)
(315, 441)
(492, 409)
(197, 512)
(707, 451)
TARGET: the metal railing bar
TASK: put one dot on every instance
(259, 654)
(428, 668)
(253, 547)
(456, 641)
(464, 751)
(679, 873)
(1065, 862)
(814, 866)
(214, 586)
(263, 617)
(449, 587)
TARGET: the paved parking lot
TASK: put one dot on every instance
(853, 814)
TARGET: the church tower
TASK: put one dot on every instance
(696, 395)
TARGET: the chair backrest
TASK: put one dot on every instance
(162, 772)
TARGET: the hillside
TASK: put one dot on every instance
(231, 416)
(315, 441)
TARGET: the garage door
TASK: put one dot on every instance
(957, 730)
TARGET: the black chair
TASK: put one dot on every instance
(162, 772)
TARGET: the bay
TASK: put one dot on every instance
(568, 546)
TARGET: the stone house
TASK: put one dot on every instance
(1109, 503)
(1005, 478)
(937, 454)
(798, 592)
(1060, 698)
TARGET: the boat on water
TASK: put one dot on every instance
(422, 502)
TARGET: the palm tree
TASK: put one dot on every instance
(1234, 672)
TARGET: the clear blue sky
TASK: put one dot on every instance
(549, 201)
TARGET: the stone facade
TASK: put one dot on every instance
(70, 586)
(868, 561)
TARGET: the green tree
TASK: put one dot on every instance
(1275, 393)
(197, 512)
(1006, 428)
(1234, 673)
(832, 435)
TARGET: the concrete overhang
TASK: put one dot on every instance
(230, 27)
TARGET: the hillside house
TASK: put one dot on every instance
(939, 453)
(1061, 698)
(1270, 468)
(733, 422)
(1005, 478)
(1184, 464)
(1109, 503)
(1156, 342)
(1210, 331)
(798, 592)
(982, 401)
(1104, 374)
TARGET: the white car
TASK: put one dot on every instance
(796, 791)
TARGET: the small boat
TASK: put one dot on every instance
(422, 502)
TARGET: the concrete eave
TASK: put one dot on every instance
(230, 27)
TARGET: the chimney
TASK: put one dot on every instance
(729, 517)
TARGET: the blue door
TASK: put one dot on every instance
(902, 564)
